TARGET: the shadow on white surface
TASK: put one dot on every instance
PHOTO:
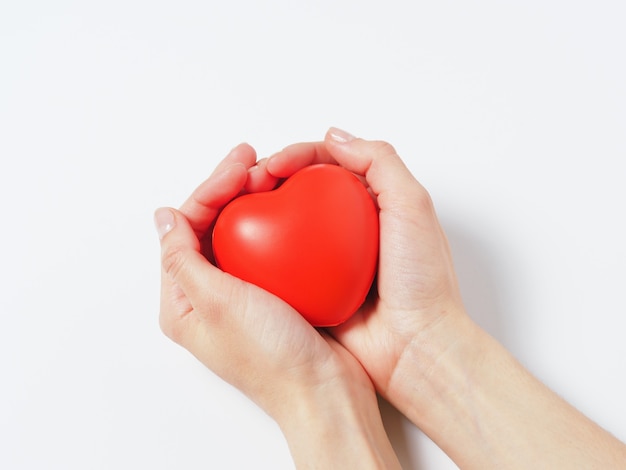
(396, 427)
(482, 279)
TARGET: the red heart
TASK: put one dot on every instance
(313, 242)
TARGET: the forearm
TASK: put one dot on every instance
(486, 411)
(333, 427)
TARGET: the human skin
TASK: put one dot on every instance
(412, 342)
(258, 343)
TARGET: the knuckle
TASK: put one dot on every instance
(383, 148)
(172, 316)
(411, 200)
(173, 260)
(422, 199)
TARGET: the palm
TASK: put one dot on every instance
(260, 336)
(415, 267)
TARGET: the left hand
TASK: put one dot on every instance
(247, 336)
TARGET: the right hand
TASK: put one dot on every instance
(416, 290)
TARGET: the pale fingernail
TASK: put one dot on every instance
(164, 221)
(339, 135)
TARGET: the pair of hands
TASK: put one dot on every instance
(411, 341)
(257, 342)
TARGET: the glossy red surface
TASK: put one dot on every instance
(313, 242)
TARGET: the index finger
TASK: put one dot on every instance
(225, 182)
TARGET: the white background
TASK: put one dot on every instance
(512, 114)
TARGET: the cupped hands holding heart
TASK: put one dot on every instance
(378, 217)
(308, 237)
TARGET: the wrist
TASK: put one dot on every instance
(480, 406)
(430, 384)
(336, 424)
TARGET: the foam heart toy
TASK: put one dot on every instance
(313, 242)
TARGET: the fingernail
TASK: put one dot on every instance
(340, 136)
(164, 221)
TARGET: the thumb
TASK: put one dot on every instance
(378, 161)
(181, 259)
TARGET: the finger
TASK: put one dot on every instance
(385, 172)
(175, 307)
(242, 153)
(198, 208)
(297, 156)
(406, 214)
(181, 260)
(206, 201)
(259, 179)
